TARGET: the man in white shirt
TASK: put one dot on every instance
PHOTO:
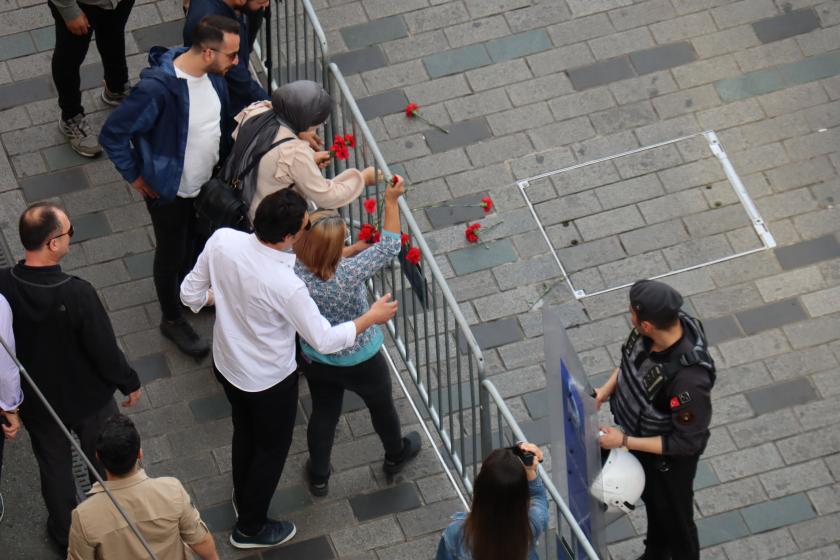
(260, 305)
(164, 139)
(10, 394)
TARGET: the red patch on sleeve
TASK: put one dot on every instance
(675, 402)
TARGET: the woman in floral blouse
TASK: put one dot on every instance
(337, 285)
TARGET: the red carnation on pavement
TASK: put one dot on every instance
(405, 239)
(471, 232)
(411, 110)
(368, 233)
(413, 255)
(370, 205)
(350, 140)
(486, 204)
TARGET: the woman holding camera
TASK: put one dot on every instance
(509, 510)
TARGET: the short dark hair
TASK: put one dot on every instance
(38, 223)
(210, 31)
(279, 214)
(118, 445)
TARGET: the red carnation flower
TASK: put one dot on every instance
(405, 239)
(411, 110)
(376, 235)
(471, 232)
(350, 140)
(413, 255)
(487, 204)
(338, 140)
(370, 205)
(340, 151)
(368, 233)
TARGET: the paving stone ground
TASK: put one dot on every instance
(525, 86)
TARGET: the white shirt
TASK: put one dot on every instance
(260, 303)
(10, 394)
(203, 135)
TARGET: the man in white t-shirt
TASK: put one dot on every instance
(165, 139)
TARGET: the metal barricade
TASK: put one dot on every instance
(569, 534)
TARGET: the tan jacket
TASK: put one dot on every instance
(294, 162)
(159, 507)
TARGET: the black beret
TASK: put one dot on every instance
(654, 300)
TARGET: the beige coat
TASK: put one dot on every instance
(294, 162)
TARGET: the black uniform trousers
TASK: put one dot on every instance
(669, 502)
(263, 425)
(371, 380)
(70, 51)
(55, 462)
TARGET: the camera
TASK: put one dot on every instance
(526, 457)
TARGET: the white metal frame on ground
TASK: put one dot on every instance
(761, 229)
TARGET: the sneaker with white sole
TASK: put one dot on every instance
(80, 135)
(114, 98)
(273, 533)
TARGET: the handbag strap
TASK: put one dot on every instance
(256, 159)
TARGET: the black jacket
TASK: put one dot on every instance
(65, 341)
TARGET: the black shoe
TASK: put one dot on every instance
(185, 338)
(410, 449)
(272, 534)
(318, 487)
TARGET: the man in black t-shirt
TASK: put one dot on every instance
(660, 397)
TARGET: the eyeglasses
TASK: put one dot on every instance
(69, 233)
(230, 56)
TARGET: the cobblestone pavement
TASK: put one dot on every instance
(524, 86)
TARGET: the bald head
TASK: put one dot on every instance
(39, 223)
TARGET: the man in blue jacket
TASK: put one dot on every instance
(165, 139)
(244, 90)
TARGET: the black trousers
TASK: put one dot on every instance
(55, 462)
(371, 380)
(70, 51)
(176, 248)
(263, 424)
(669, 502)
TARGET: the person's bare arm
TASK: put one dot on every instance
(206, 548)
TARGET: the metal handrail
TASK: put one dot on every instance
(519, 435)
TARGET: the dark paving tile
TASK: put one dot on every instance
(660, 58)
(457, 211)
(26, 91)
(778, 513)
(537, 403)
(721, 329)
(351, 402)
(91, 75)
(44, 38)
(169, 34)
(287, 500)
(620, 530)
(376, 31)
(771, 316)
(459, 134)
(210, 408)
(456, 60)
(781, 395)
(808, 252)
(461, 391)
(786, 25)
(140, 265)
(313, 549)
(395, 499)
(481, 256)
(62, 157)
(219, 517)
(389, 102)
(519, 45)
(537, 431)
(361, 60)
(151, 367)
(40, 187)
(90, 226)
(496, 333)
(721, 528)
(14, 46)
(601, 73)
(705, 476)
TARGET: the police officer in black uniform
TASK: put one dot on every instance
(660, 399)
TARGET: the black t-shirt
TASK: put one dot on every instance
(688, 398)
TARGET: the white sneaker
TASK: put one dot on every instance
(81, 136)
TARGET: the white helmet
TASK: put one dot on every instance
(620, 483)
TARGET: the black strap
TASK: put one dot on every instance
(256, 159)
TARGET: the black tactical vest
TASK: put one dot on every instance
(632, 400)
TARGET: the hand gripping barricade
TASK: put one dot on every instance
(620, 483)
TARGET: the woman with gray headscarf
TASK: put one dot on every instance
(295, 111)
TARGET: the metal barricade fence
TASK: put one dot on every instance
(571, 536)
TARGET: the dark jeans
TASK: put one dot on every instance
(669, 498)
(55, 462)
(371, 380)
(263, 423)
(176, 248)
(70, 51)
